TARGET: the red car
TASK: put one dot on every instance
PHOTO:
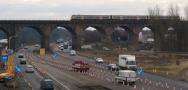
(80, 66)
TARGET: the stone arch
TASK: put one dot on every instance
(98, 28)
(146, 38)
(69, 30)
(5, 31)
(170, 39)
(35, 29)
(94, 31)
(120, 34)
(146, 34)
(125, 33)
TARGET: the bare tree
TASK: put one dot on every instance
(173, 12)
(155, 13)
(186, 12)
(175, 23)
(156, 23)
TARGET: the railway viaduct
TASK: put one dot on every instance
(104, 24)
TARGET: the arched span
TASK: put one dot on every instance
(29, 35)
(36, 29)
(69, 29)
(121, 33)
(5, 31)
(65, 34)
(98, 28)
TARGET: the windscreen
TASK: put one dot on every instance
(131, 62)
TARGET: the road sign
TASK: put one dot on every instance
(140, 71)
(4, 57)
(17, 69)
(42, 51)
(55, 55)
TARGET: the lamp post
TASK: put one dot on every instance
(9, 40)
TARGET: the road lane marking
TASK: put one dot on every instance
(66, 87)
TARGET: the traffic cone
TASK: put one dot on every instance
(135, 87)
(142, 88)
(128, 84)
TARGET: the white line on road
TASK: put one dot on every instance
(67, 88)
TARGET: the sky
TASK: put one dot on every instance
(63, 9)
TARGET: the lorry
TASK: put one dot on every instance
(126, 77)
(127, 62)
(80, 66)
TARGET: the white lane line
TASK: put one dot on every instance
(67, 88)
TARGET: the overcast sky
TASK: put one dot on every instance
(63, 9)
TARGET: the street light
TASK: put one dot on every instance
(9, 39)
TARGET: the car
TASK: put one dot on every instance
(25, 47)
(99, 60)
(72, 52)
(61, 45)
(37, 45)
(106, 49)
(46, 84)
(20, 55)
(112, 67)
(61, 48)
(23, 61)
(29, 69)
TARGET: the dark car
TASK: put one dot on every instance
(112, 67)
(23, 61)
(46, 84)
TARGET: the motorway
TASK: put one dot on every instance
(31, 79)
(153, 80)
(98, 78)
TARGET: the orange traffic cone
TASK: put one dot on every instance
(128, 84)
(135, 87)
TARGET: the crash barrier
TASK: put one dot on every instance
(158, 84)
(29, 84)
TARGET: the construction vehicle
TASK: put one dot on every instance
(126, 76)
(80, 66)
(7, 69)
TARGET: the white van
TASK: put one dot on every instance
(126, 76)
(72, 52)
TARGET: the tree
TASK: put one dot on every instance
(186, 12)
(175, 23)
(157, 25)
(154, 13)
(173, 11)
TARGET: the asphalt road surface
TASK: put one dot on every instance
(32, 79)
(61, 70)
(150, 79)
(98, 78)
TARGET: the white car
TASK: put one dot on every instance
(99, 60)
(112, 67)
(20, 55)
(29, 69)
(23, 61)
(61, 48)
(72, 52)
